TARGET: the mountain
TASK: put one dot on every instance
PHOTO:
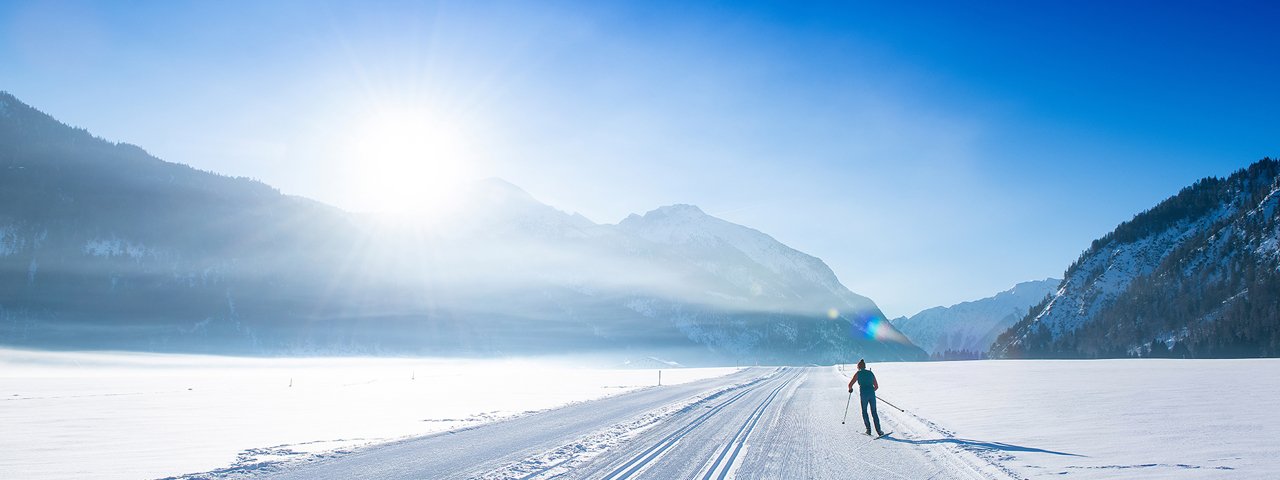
(1196, 276)
(104, 246)
(741, 273)
(967, 330)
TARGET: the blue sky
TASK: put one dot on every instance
(930, 153)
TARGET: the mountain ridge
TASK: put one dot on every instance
(157, 256)
(1197, 275)
(967, 329)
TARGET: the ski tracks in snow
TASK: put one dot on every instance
(566, 458)
(796, 440)
(739, 440)
(954, 459)
(782, 423)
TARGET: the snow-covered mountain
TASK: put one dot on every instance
(759, 269)
(738, 273)
(1196, 275)
(104, 246)
(969, 328)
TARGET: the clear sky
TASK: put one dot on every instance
(930, 153)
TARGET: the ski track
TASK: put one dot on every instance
(559, 461)
(969, 458)
(759, 423)
(739, 439)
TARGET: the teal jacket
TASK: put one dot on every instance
(866, 382)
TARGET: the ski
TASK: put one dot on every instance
(885, 434)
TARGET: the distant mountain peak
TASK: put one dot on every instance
(497, 188)
(683, 223)
(973, 325)
(679, 209)
(502, 184)
(1036, 285)
(669, 215)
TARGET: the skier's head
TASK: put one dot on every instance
(862, 364)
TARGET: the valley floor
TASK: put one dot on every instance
(1143, 418)
(139, 416)
(134, 416)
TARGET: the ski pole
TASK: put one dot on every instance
(846, 407)
(890, 404)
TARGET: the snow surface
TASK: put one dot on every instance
(81, 415)
(964, 420)
(1147, 418)
(761, 423)
(77, 415)
(10, 242)
(115, 247)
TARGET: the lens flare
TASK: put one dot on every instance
(877, 328)
(872, 328)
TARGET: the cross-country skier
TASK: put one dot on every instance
(866, 394)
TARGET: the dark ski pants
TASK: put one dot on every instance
(870, 400)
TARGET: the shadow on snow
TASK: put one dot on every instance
(977, 444)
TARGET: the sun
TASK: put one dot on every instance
(407, 161)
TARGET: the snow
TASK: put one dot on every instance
(1148, 418)
(118, 415)
(112, 415)
(115, 247)
(688, 226)
(974, 325)
(677, 224)
(570, 457)
(10, 242)
(1105, 275)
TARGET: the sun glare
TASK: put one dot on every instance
(408, 162)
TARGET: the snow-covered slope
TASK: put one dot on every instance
(791, 298)
(128, 416)
(493, 207)
(1198, 273)
(104, 246)
(138, 416)
(786, 276)
(971, 327)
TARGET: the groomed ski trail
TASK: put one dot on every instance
(759, 423)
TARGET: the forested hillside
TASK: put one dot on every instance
(1196, 276)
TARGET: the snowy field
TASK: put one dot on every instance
(1100, 418)
(92, 415)
(82, 415)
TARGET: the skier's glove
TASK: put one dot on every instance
(850, 390)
